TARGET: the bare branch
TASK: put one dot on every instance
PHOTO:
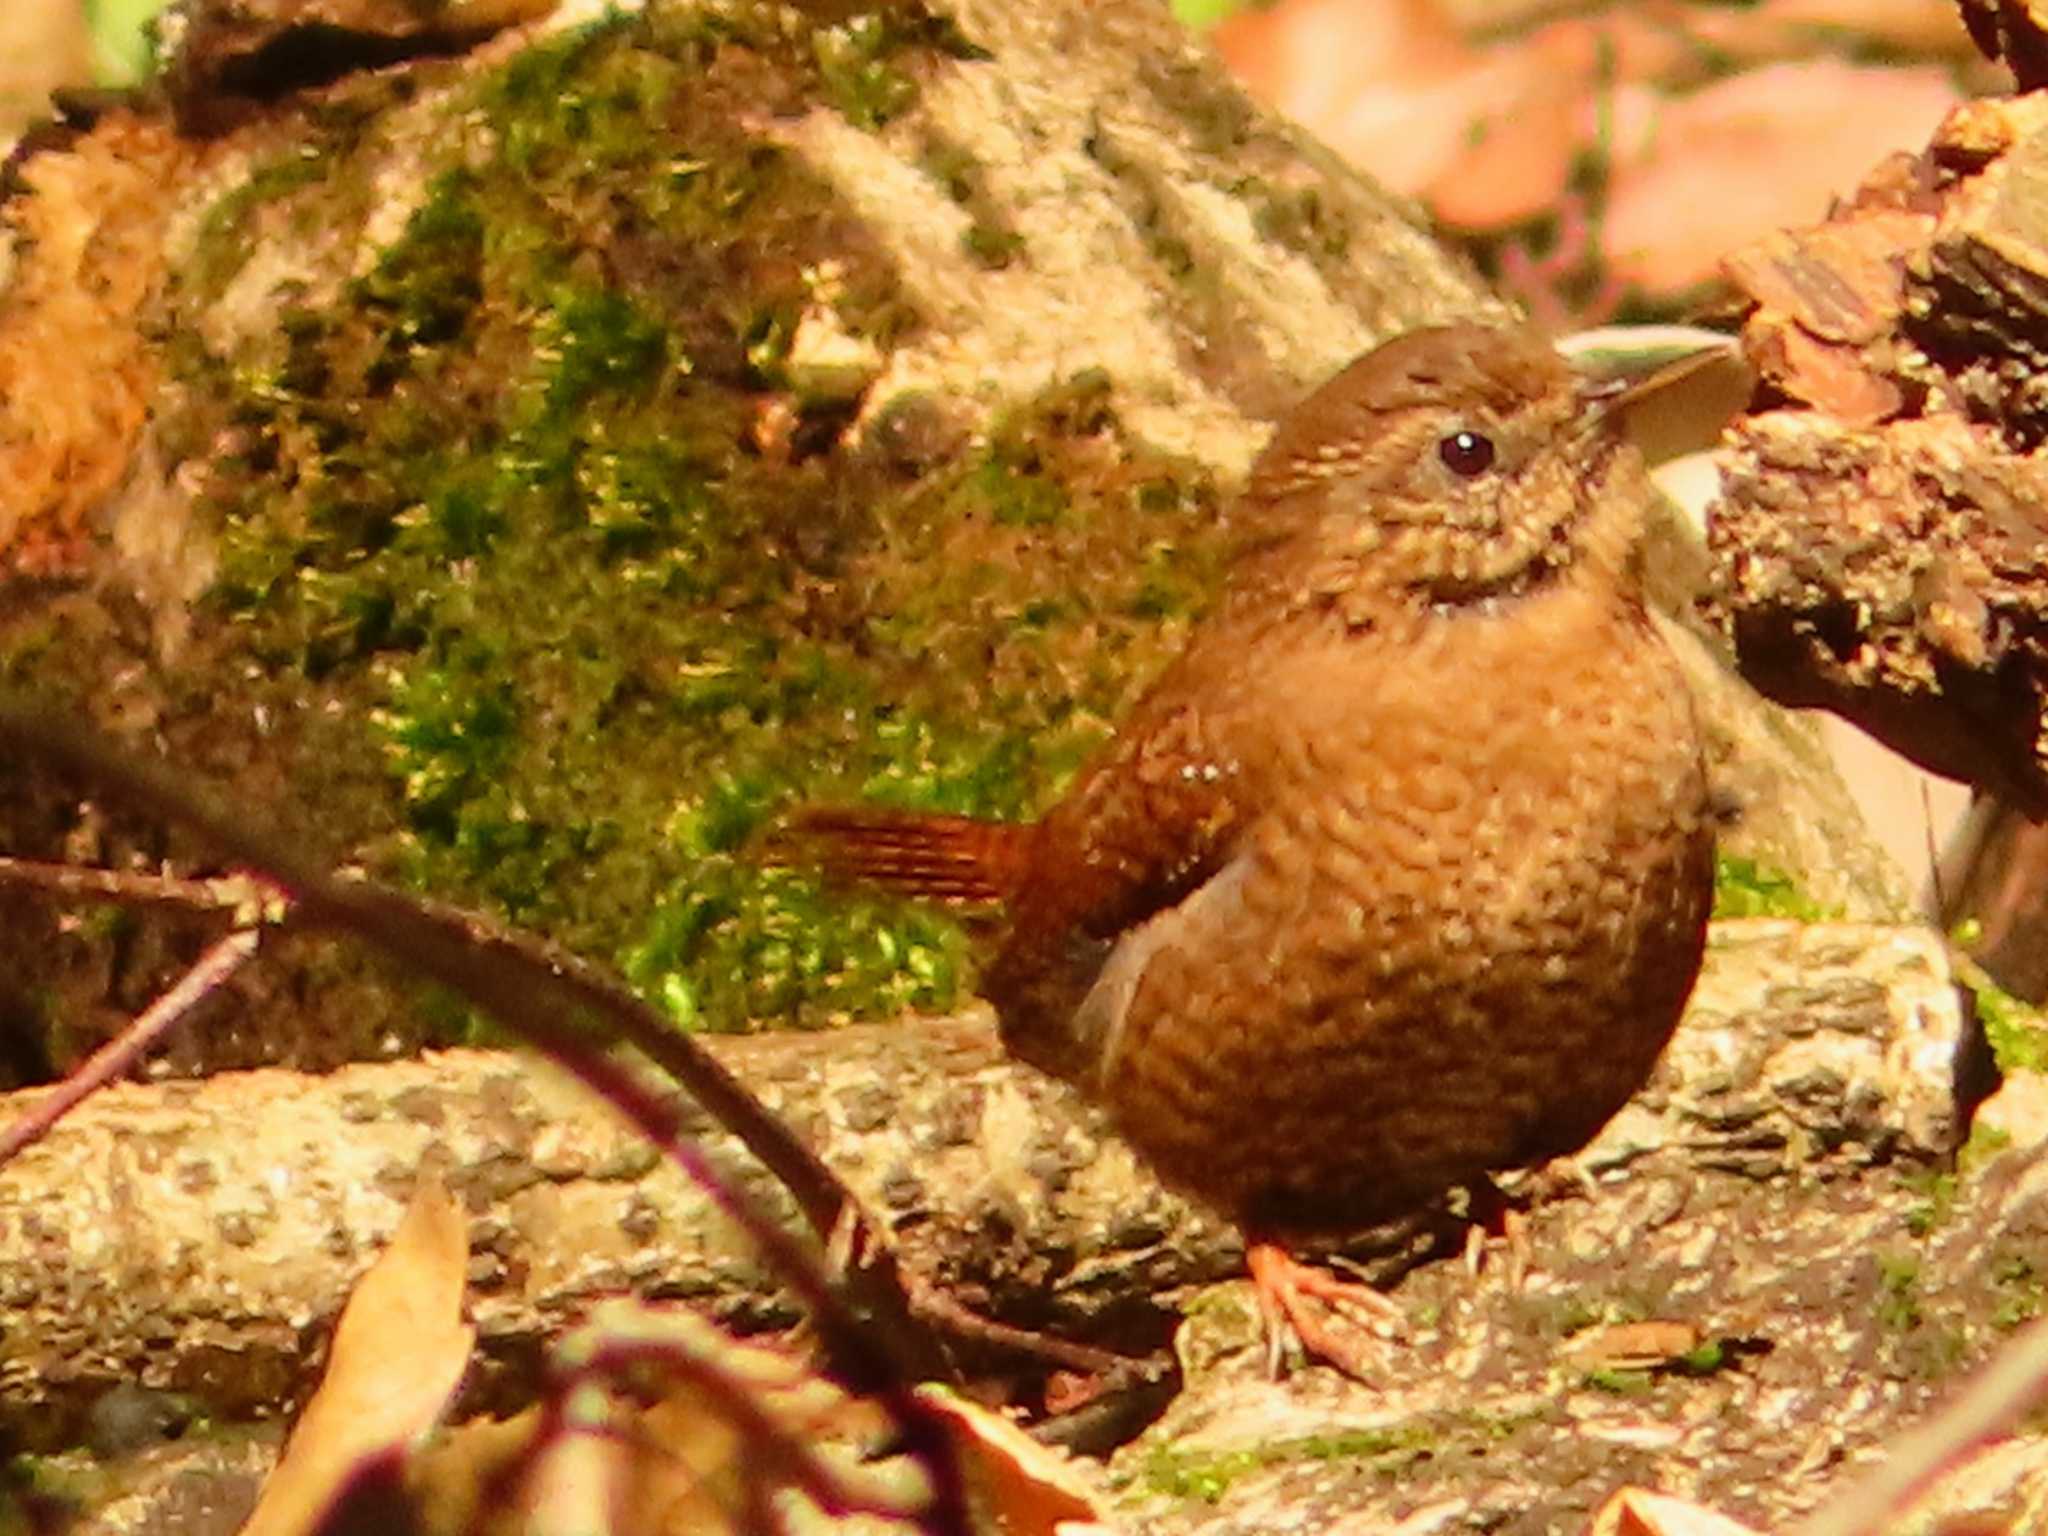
(130, 887)
(875, 1346)
(118, 1055)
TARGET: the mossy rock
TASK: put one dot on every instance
(557, 539)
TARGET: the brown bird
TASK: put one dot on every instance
(1399, 874)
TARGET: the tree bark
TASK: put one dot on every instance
(200, 1236)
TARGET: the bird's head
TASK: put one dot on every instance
(1454, 464)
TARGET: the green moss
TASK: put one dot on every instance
(990, 239)
(592, 342)
(39, 1491)
(1188, 1475)
(1014, 481)
(2013, 1028)
(1153, 212)
(859, 80)
(1575, 1314)
(563, 119)
(226, 238)
(994, 246)
(1935, 1190)
(1217, 115)
(1985, 1143)
(431, 281)
(575, 628)
(1298, 218)
(1704, 1359)
(2021, 1288)
(1745, 888)
(1207, 1476)
(858, 59)
(1898, 1292)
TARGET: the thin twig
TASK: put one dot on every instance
(876, 1349)
(128, 887)
(773, 1450)
(820, 1195)
(119, 1054)
(945, 1311)
(1994, 1401)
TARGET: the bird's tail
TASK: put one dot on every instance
(940, 858)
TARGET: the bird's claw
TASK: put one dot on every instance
(1513, 1231)
(1302, 1299)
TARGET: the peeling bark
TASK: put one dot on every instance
(1880, 537)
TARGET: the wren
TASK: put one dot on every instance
(1399, 874)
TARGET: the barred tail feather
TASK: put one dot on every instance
(941, 858)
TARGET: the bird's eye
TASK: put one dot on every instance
(1466, 454)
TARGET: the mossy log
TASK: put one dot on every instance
(200, 1236)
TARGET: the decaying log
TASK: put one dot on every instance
(201, 1235)
(1881, 537)
(2015, 31)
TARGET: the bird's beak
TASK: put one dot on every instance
(1671, 388)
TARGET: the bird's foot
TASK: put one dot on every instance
(1510, 1228)
(1306, 1300)
(1494, 1216)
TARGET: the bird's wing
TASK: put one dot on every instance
(1149, 823)
(1207, 917)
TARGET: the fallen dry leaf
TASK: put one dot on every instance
(1487, 133)
(666, 1425)
(740, 1426)
(1778, 28)
(1629, 1346)
(1015, 1484)
(1639, 1512)
(399, 1352)
(1492, 111)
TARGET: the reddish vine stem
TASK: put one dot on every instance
(120, 1054)
(875, 1347)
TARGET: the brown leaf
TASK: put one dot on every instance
(1015, 1484)
(1631, 1345)
(1777, 28)
(1639, 1512)
(399, 1351)
(1488, 134)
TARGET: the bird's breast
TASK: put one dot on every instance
(1481, 747)
(1458, 928)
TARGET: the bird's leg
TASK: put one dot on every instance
(1303, 1298)
(1512, 1231)
(1493, 1214)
